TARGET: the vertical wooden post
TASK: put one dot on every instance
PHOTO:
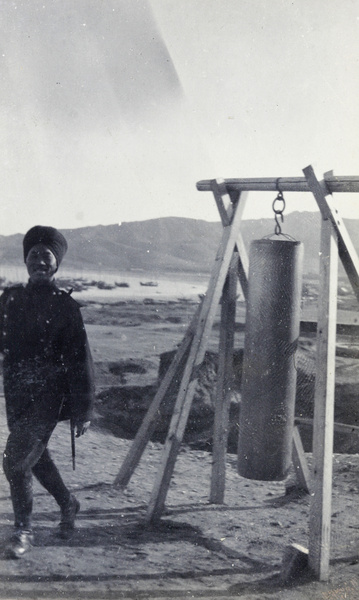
(238, 267)
(320, 509)
(224, 383)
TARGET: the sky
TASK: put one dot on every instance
(112, 110)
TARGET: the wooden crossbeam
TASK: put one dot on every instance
(337, 184)
(338, 427)
(195, 359)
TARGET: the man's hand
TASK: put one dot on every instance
(81, 427)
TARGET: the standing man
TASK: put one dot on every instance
(48, 376)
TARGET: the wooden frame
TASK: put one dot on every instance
(231, 261)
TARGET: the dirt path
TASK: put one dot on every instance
(198, 550)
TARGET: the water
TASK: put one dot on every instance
(170, 286)
(14, 274)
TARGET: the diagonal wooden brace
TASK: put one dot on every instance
(195, 359)
(219, 190)
(347, 252)
(153, 414)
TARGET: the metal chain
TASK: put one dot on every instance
(278, 212)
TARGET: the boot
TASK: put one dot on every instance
(68, 516)
(19, 543)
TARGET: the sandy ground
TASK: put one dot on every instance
(198, 549)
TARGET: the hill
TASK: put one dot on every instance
(170, 244)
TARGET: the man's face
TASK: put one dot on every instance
(41, 264)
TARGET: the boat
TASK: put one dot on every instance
(102, 285)
(149, 283)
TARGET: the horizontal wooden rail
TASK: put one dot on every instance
(339, 427)
(284, 184)
(342, 329)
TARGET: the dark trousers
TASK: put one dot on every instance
(26, 454)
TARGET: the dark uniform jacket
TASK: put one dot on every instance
(48, 370)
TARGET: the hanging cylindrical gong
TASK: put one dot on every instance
(269, 373)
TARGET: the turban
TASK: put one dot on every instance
(50, 237)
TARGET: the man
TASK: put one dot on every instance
(48, 376)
